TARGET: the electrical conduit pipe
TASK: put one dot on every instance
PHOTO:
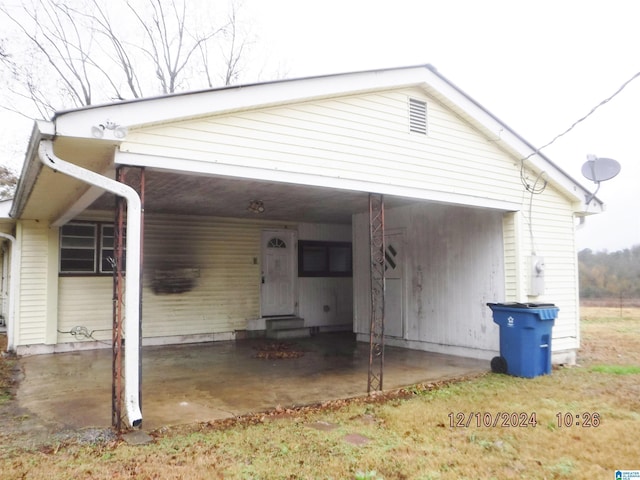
(132, 279)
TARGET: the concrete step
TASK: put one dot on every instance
(286, 327)
(289, 333)
(284, 323)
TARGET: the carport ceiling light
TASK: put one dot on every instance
(256, 206)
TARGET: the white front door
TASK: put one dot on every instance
(278, 272)
(394, 297)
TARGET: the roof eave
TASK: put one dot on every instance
(517, 144)
(156, 110)
(79, 122)
(42, 130)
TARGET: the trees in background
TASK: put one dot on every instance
(8, 181)
(64, 54)
(610, 274)
(61, 54)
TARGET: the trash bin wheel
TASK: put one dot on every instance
(499, 365)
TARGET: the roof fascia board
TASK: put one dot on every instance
(208, 169)
(42, 130)
(513, 141)
(78, 123)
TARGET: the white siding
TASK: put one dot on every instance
(32, 308)
(325, 301)
(553, 228)
(85, 302)
(363, 138)
(511, 233)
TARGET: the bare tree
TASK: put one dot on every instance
(76, 53)
(8, 182)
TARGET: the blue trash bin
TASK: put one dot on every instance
(525, 338)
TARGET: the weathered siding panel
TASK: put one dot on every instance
(325, 301)
(454, 266)
(225, 255)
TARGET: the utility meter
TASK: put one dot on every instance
(537, 276)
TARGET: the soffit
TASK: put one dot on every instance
(170, 193)
(54, 192)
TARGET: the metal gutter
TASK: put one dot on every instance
(132, 280)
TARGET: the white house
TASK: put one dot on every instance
(470, 208)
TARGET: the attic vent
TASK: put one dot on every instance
(417, 116)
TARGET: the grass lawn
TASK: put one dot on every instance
(579, 423)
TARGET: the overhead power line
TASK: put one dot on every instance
(573, 125)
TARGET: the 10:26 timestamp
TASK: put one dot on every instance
(584, 419)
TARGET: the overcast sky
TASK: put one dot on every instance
(537, 65)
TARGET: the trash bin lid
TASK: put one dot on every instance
(522, 305)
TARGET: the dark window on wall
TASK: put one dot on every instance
(86, 248)
(324, 259)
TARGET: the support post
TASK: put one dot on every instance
(118, 306)
(118, 284)
(376, 332)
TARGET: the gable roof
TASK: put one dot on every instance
(78, 123)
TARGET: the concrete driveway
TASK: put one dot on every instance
(201, 382)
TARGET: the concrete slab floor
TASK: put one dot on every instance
(202, 382)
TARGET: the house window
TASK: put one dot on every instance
(417, 116)
(78, 248)
(86, 248)
(324, 259)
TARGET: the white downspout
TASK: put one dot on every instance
(132, 279)
(15, 255)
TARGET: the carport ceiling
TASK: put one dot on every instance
(171, 193)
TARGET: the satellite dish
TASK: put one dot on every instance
(600, 169)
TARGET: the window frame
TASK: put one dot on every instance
(326, 248)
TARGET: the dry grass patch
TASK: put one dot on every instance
(6, 373)
(409, 436)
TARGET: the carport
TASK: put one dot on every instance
(248, 192)
(205, 382)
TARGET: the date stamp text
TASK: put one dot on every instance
(521, 419)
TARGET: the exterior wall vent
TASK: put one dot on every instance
(417, 116)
